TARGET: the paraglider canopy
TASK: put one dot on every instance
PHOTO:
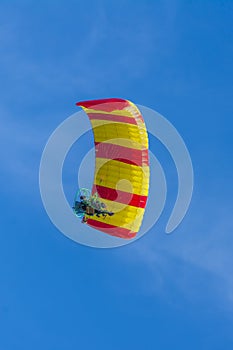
(122, 171)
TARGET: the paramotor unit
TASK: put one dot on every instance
(86, 205)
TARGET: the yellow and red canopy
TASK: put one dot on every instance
(122, 164)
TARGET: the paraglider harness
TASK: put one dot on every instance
(90, 207)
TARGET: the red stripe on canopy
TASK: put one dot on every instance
(107, 104)
(122, 154)
(113, 118)
(123, 197)
(111, 229)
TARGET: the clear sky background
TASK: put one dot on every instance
(160, 292)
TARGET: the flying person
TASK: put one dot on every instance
(85, 207)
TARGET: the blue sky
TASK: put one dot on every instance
(161, 291)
